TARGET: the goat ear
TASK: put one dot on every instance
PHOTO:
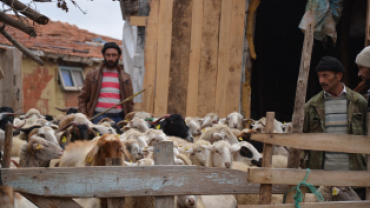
(248, 122)
(223, 121)
(126, 153)
(90, 156)
(235, 148)
(209, 147)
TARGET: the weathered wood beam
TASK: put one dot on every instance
(21, 47)
(114, 202)
(138, 20)
(265, 196)
(163, 155)
(27, 11)
(87, 182)
(5, 163)
(54, 202)
(17, 24)
(316, 177)
(342, 204)
(348, 143)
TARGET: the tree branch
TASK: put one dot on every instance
(20, 47)
(27, 11)
(17, 24)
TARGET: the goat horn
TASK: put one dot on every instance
(63, 109)
(18, 127)
(15, 163)
(157, 121)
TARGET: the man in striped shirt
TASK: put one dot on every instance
(105, 87)
(337, 110)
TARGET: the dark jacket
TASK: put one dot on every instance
(89, 95)
(314, 122)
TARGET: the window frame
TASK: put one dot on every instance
(70, 69)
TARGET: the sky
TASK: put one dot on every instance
(102, 16)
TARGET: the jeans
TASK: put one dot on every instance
(117, 117)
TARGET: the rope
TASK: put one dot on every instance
(298, 197)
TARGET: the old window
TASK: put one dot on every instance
(71, 78)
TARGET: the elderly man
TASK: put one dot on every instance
(339, 110)
(105, 87)
(363, 63)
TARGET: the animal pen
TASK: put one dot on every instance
(55, 187)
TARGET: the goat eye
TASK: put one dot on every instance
(199, 151)
(217, 152)
(42, 135)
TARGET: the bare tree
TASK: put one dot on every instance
(25, 17)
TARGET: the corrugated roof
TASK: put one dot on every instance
(61, 38)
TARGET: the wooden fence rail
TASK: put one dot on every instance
(321, 142)
(352, 204)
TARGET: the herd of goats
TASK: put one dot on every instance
(72, 140)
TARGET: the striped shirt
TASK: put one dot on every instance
(336, 121)
(109, 92)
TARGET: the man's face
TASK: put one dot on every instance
(364, 73)
(329, 80)
(111, 58)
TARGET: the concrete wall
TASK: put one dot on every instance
(41, 89)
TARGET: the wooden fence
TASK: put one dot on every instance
(48, 187)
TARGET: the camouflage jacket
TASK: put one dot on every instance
(314, 122)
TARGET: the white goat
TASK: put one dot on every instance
(217, 133)
(235, 121)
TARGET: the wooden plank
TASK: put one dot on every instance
(348, 143)
(138, 21)
(163, 155)
(6, 197)
(266, 189)
(164, 55)
(53, 202)
(207, 80)
(5, 163)
(316, 177)
(194, 60)
(180, 56)
(223, 57)
(17, 81)
(114, 202)
(151, 50)
(342, 204)
(367, 26)
(368, 156)
(234, 70)
(100, 182)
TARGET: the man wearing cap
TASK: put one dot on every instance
(105, 87)
(363, 63)
(339, 110)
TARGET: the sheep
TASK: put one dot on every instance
(101, 129)
(217, 133)
(44, 122)
(142, 162)
(259, 126)
(209, 120)
(189, 201)
(248, 154)
(154, 136)
(48, 134)
(133, 134)
(107, 122)
(93, 153)
(37, 151)
(88, 202)
(132, 145)
(139, 124)
(199, 155)
(180, 142)
(32, 113)
(235, 121)
(194, 126)
(219, 201)
(330, 193)
(77, 125)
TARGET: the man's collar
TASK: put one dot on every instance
(344, 92)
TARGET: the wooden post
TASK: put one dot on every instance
(115, 202)
(266, 189)
(368, 156)
(5, 163)
(300, 99)
(163, 155)
(6, 197)
(367, 29)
